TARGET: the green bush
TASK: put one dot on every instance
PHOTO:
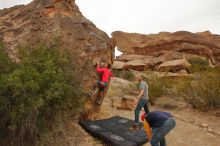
(128, 75)
(155, 87)
(198, 61)
(203, 91)
(39, 91)
(198, 65)
(163, 86)
(125, 74)
(5, 62)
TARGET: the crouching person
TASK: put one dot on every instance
(157, 125)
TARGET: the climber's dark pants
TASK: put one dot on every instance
(102, 85)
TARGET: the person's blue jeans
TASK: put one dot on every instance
(158, 137)
(141, 103)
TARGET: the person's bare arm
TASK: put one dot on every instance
(98, 69)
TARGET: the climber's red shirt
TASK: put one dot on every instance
(105, 73)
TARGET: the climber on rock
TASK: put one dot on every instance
(158, 124)
(106, 73)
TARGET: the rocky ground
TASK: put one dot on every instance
(193, 127)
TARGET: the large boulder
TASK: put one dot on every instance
(174, 65)
(178, 44)
(138, 65)
(57, 21)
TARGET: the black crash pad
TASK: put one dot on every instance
(115, 131)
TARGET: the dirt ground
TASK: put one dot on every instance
(191, 129)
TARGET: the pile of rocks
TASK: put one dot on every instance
(165, 51)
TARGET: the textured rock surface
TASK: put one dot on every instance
(118, 65)
(158, 48)
(138, 65)
(174, 65)
(125, 102)
(50, 20)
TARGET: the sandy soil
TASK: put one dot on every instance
(190, 130)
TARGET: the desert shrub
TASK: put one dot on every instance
(125, 74)
(198, 61)
(202, 92)
(128, 75)
(163, 86)
(42, 89)
(198, 65)
(5, 62)
(155, 87)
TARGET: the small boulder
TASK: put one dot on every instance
(125, 102)
(116, 102)
(128, 102)
(183, 71)
(174, 65)
(137, 65)
(204, 125)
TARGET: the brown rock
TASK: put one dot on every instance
(183, 71)
(118, 65)
(131, 57)
(137, 65)
(128, 102)
(174, 65)
(154, 62)
(116, 102)
(124, 103)
(182, 42)
(50, 21)
(204, 125)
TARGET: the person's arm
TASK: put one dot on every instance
(147, 129)
(140, 94)
(110, 74)
(98, 69)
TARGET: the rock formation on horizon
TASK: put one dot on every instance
(153, 51)
(48, 20)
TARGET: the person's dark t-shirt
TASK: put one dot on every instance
(157, 118)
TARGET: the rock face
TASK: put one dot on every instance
(50, 20)
(118, 65)
(154, 49)
(174, 65)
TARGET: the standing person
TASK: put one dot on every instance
(142, 102)
(161, 123)
(106, 73)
